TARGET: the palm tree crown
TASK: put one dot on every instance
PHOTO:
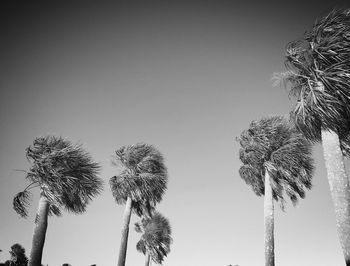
(143, 176)
(319, 74)
(156, 236)
(273, 144)
(65, 173)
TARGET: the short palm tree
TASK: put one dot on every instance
(276, 161)
(319, 74)
(67, 179)
(140, 184)
(156, 237)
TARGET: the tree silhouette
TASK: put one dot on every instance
(18, 256)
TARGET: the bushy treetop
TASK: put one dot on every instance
(64, 172)
(274, 145)
(318, 73)
(142, 177)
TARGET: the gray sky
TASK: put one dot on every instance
(186, 77)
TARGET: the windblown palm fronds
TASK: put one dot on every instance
(139, 185)
(345, 145)
(319, 74)
(65, 174)
(273, 144)
(156, 237)
(143, 176)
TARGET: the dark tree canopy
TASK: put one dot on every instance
(156, 236)
(143, 176)
(273, 144)
(18, 256)
(65, 174)
(319, 75)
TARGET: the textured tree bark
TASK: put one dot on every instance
(339, 187)
(39, 232)
(125, 233)
(148, 215)
(147, 262)
(269, 223)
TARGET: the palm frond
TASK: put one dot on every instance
(143, 208)
(21, 202)
(138, 227)
(54, 210)
(140, 246)
(345, 144)
(253, 178)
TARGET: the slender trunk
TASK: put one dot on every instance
(148, 215)
(39, 232)
(125, 233)
(269, 223)
(339, 187)
(147, 262)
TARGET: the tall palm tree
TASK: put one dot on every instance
(276, 161)
(67, 179)
(156, 237)
(318, 71)
(140, 184)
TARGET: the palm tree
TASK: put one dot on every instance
(318, 71)
(156, 237)
(139, 185)
(276, 161)
(67, 179)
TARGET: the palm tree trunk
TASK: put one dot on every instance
(148, 215)
(269, 223)
(125, 233)
(147, 262)
(339, 187)
(39, 232)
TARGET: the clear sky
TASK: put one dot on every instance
(187, 77)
